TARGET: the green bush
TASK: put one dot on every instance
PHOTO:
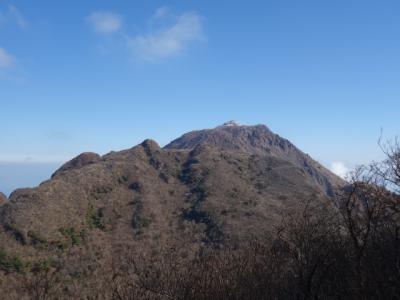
(95, 219)
(74, 237)
(43, 265)
(139, 222)
(10, 263)
(37, 240)
(99, 192)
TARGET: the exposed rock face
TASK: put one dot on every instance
(3, 198)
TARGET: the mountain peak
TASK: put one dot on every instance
(229, 136)
(257, 140)
(150, 144)
(231, 123)
(81, 160)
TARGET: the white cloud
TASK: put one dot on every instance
(6, 59)
(340, 169)
(161, 12)
(18, 17)
(170, 40)
(14, 15)
(105, 22)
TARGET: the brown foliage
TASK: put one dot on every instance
(349, 249)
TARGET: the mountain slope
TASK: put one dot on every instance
(259, 140)
(222, 183)
(215, 193)
(3, 198)
(205, 190)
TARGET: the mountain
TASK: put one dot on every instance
(218, 179)
(205, 189)
(259, 140)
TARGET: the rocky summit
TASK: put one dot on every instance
(260, 141)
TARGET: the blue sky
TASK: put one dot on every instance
(104, 75)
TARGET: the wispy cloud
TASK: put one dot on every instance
(170, 40)
(170, 34)
(32, 158)
(14, 15)
(105, 22)
(161, 12)
(6, 59)
(18, 17)
(340, 169)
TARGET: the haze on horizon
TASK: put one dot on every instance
(102, 76)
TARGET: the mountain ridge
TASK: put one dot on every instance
(214, 179)
(208, 190)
